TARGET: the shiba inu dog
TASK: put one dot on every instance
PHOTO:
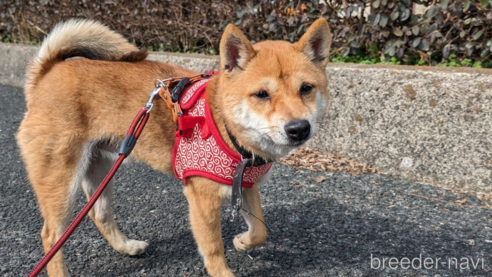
(268, 96)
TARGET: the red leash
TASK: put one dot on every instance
(127, 146)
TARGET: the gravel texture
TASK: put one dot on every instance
(327, 228)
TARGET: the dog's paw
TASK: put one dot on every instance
(135, 247)
(240, 246)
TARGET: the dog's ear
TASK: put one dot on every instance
(235, 49)
(316, 42)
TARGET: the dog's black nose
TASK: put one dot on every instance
(298, 130)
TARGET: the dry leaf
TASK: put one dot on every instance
(462, 202)
(317, 161)
(320, 179)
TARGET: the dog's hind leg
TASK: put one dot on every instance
(102, 213)
(256, 233)
(56, 203)
(54, 165)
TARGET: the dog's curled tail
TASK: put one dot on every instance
(80, 38)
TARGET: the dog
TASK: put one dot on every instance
(86, 84)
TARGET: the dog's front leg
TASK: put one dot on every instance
(256, 233)
(205, 198)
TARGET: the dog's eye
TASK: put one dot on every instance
(306, 89)
(262, 94)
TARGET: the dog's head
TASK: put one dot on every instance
(271, 93)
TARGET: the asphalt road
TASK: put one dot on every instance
(316, 229)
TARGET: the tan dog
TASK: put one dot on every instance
(78, 110)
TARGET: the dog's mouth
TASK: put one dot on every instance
(297, 143)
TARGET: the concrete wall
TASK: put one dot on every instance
(425, 124)
(13, 61)
(432, 126)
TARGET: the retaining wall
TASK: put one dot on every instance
(432, 125)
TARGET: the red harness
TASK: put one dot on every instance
(199, 149)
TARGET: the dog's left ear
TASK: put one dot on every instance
(316, 42)
(235, 50)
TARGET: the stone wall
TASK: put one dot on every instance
(431, 125)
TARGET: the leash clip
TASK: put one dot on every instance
(158, 85)
(149, 104)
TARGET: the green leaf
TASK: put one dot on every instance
(292, 36)
(484, 53)
(484, 3)
(415, 30)
(467, 5)
(391, 51)
(405, 14)
(375, 4)
(376, 19)
(430, 12)
(444, 4)
(424, 28)
(462, 34)
(445, 51)
(397, 32)
(271, 18)
(467, 21)
(384, 2)
(345, 52)
(400, 52)
(299, 30)
(477, 35)
(416, 42)
(384, 20)
(424, 45)
(290, 21)
(395, 15)
(433, 28)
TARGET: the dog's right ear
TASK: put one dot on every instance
(235, 50)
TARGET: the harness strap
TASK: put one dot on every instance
(172, 89)
(187, 123)
(237, 185)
